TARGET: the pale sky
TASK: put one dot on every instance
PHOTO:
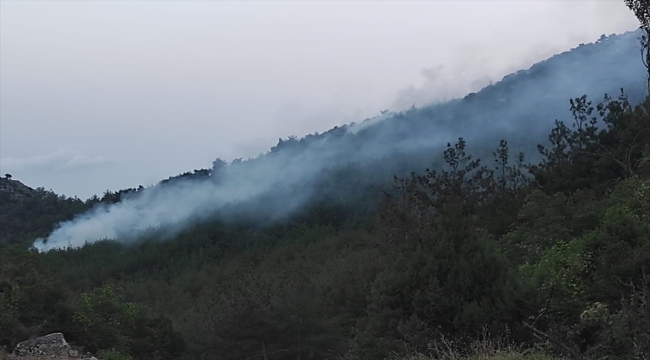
(98, 95)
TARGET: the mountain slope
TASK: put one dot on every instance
(352, 162)
(13, 190)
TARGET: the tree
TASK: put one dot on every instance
(106, 321)
(8, 176)
(219, 167)
(641, 9)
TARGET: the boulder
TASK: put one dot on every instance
(48, 346)
(52, 347)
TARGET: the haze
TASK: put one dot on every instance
(108, 95)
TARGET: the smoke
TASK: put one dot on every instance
(522, 108)
(544, 28)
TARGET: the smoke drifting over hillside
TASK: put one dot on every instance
(521, 108)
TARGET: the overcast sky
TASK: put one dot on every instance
(98, 95)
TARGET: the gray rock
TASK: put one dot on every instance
(52, 345)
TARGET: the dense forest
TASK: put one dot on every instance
(480, 251)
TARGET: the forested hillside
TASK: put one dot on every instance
(438, 232)
(351, 164)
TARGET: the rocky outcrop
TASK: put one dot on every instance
(15, 189)
(52, 346)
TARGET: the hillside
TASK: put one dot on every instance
(389, 239)
(352, 164)
(14, 190)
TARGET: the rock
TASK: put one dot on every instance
(51, 345)
(48, 346)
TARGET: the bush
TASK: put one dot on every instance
(107, 321)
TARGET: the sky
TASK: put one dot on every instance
(106, 95)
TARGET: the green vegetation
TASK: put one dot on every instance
(554, 257)
(557, 259)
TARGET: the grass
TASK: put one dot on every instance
(480, 350)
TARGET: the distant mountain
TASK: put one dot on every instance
(350, 164)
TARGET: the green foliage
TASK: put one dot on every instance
(102, 316)
(107, 322)
(31, 302)
(35, 216)
(558, 280)
(555, 258)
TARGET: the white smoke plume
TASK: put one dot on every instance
(521, 106)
